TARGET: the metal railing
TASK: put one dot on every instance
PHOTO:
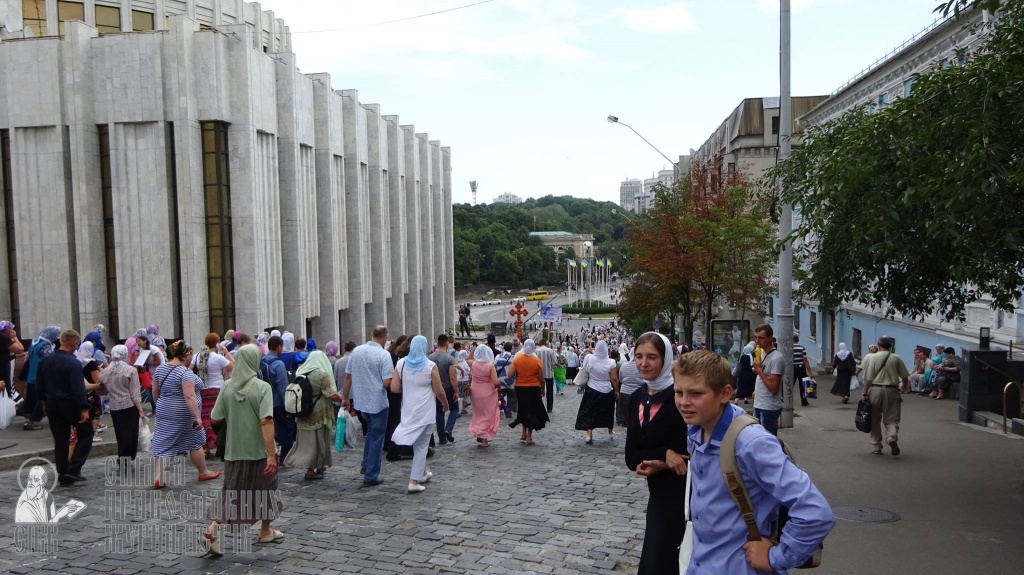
(1006, 391)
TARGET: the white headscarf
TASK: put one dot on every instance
(483, 354)
(275, 333)
(119, 353)
(289, 342)
(664, 380)
(601, 351)
(85, 352)
(529, 347)
(843, 352)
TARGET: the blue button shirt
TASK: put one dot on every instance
(771, 479)
(279, 377)
(369, 365)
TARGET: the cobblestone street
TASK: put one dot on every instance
(558, 507)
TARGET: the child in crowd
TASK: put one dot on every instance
(703, 389)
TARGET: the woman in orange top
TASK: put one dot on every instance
(528, 370)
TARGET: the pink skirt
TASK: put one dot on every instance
(486, 413)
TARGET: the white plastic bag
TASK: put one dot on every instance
(351, 432)
(7, 409)
(854, 382)
(145, 436)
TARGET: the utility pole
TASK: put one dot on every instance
(785, 318)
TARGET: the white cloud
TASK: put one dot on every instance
(668, 19)
(796, 5)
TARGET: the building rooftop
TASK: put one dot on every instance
(552, 234)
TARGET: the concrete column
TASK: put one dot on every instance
(441, 263)
(428, 263)
(397, 216)
(353, 318)
(330, 208)
(449, 237)
(295, 129)
(380, 255)
(413, 247)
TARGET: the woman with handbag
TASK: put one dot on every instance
(179, 423)
(597, 408)
(656, 449)
(315, 432)
(844, 365)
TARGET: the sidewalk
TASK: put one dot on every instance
(18, 445)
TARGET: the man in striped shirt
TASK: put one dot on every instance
(801, 368)
(549, 358)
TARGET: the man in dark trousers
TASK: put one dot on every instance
(62, 390)
(274, 372)
(464, 320)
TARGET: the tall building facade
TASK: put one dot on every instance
(946, 42)
(165, 162)
(628, 189)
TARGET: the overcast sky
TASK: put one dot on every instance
(520, 89)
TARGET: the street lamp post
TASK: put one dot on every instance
(675, 166)
(785, 321)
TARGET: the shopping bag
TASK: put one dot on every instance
(145, 436)
(339, 431)
(7, 409)
(863, 417)
(854, 382)
(351, 430)
(810, 388)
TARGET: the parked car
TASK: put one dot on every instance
(493, 302)
(519, 299)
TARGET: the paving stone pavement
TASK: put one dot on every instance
(559, 507)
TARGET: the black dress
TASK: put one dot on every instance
(844, 370)
(745, 378)
(666, 503)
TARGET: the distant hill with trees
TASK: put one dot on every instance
(493, 243)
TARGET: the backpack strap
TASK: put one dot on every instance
(733, 477)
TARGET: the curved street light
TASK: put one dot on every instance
(675, 166)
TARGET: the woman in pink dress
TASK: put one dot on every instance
(483, 392)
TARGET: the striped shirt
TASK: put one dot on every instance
(799, 353)
(549, 358)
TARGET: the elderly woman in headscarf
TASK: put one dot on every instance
(656, 449)
(246, 408)
(483, 391)
(419, 382)
(153, 335)
(597, 408)
(333, 351)
(95, 337)
(122, 384)
(314, 438)
(528, 370)
(844, 365)
(745, 376)
(42, 346)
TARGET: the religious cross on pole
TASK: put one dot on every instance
(519, 313)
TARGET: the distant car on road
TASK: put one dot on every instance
(493, 302)
(519, 299)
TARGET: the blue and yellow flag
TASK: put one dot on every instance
(583, 262)
(600, 262)
(572, 263)
(608, 263)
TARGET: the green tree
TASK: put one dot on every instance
(918, 207)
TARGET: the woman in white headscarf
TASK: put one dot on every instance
(597, 408)
(419, 382)
(314, 438)
(483, 391)
(528, 371)
(844, 365)
(121, 381)
(656, 449)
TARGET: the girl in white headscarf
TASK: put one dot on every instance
(656, 449)
(597, 408)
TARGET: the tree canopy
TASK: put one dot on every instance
(917, 207)
(493, 243)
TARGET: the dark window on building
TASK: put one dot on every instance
(33, 15)
(69, 11)
(813, 328)
(108, 20)
(12, 258)
(855, 343)
(771, 308)
(106, 187)
(143, 21)
(217, 196)
(796, 317)
(775, 125)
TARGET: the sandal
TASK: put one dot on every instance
(272, 537)
(210, 476)
(214, 544)
(158, 485)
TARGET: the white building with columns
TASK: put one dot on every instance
(165, 162)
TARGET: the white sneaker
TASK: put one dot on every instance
(426, 477)
(414, 488)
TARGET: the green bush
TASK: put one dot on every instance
(592, 310)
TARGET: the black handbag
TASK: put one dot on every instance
(863, 417)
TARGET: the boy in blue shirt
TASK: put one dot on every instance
(703, 390)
